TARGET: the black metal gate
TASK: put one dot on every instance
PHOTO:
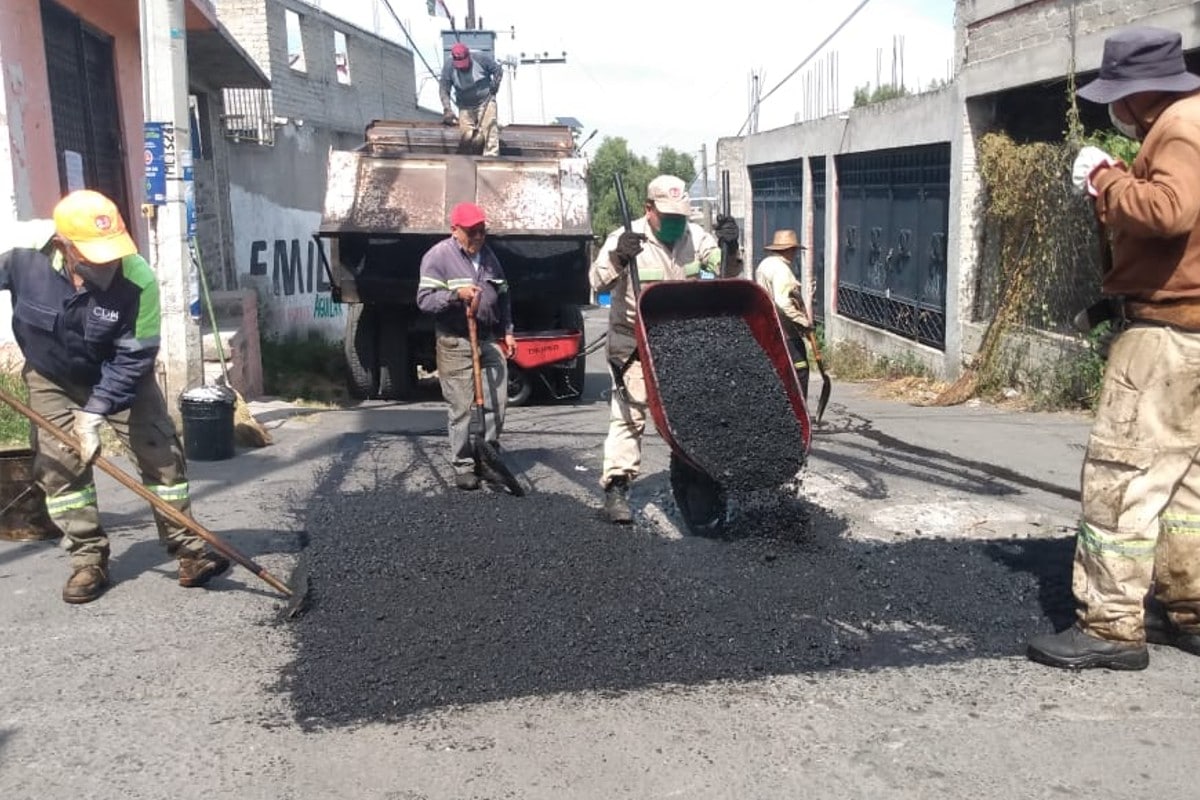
(817, 167)
(893, 215)
(777, 192)
(84, 104)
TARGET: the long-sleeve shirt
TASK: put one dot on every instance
(1153, 210)
(471, 86)
(695, 252)
(107, 340)
(446, 268)
(775, 275)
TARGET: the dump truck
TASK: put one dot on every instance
(388, 201)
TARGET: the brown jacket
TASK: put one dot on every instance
(1153, 209)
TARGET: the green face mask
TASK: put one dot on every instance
(671, 228)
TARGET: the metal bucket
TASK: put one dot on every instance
(23, 516)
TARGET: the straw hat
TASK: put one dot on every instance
(784, 240)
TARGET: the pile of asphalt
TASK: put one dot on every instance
(423, 603)
(724, 401)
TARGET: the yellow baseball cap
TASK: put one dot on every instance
(93, 225)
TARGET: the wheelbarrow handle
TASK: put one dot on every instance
(627, 221)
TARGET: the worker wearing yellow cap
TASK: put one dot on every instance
(86, 317)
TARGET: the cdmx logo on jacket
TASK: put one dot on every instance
(105, 314)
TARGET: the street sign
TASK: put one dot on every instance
(154, 155)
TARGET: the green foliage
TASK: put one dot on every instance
(613, 157)
(1115, 144)
(865, 96)
(852, 361)
(14, 427)
(309, 369)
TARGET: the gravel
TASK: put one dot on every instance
(421, 603)
(726, 405)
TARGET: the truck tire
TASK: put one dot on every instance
(397, 372)
(362, 363)
(570, 317)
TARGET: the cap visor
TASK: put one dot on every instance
(462, 63)
(1108, 91)
(681, 207)
(102, 251)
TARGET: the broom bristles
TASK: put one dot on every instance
(248, 431)
(958, 392)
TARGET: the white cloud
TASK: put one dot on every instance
(663, 73)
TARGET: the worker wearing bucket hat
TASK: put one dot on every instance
(86, 317)
(775, 274)
(1141, 475)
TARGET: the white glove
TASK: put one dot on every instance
(87, 433)
(1088, 161)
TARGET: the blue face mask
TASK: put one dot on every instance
(671, 228)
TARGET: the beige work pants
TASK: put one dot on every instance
(626, 425)
(481, 124)
(1141, 487)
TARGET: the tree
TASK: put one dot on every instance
(673, 162)
(613, 157)
(863, 96)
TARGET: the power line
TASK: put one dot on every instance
(801, 65)
(388, 4)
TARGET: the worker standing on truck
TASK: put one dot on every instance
(1141, 473)
(666, 246)
(475, 80)
(455, 273)
(775, 275)
(86, 317)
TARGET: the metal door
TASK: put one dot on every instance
(777, 194)
(893, 216)
(817, 167)
(84, 105)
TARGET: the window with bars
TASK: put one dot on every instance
(249, 116)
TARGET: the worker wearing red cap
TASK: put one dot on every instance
(475, 79)
(86, 317)
(455, 273)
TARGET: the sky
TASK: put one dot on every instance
(662, 74)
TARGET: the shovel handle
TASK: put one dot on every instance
(159, 505)
(627, 221)
(476, 366)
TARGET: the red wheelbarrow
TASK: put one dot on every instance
(700, 496)
(545, 356)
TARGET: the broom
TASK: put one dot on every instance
(246, 429)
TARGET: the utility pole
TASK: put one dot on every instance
(470, 24)
(539, 59)
(165, 104)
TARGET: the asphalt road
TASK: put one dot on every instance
(861, 639)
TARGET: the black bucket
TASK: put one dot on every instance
(207, 424)
(23, 516)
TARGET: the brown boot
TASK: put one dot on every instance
(85, 584)
(197, 569)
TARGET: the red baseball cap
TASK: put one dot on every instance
(460, 55)
(467, 215)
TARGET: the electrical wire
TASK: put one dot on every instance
(388, 5)
(802, 64)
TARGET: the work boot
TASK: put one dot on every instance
(1161, 630)
(1074, 649)
(85, 584)
(616, 501)
(467, 481)
(197, 569)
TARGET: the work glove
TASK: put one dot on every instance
(448, 118)
(1089, 161)
(87, 433)
(629, 244)
(726, 231)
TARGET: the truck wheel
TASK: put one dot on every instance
(397, 372)
(571, 318)
(362, 366)
(520, 386)
(700, 499)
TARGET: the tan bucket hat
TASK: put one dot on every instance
(784, 240)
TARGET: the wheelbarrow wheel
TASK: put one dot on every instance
(520, 385)
(700, 499)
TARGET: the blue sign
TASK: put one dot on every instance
(154, 156)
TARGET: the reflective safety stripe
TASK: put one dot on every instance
(432, 283)
(60, 504)
(454, 283)
(650, 274)
(1102, 544)
(692, 269)
(712, 262)
(801, 365)
(172, 494)
(1181, 524)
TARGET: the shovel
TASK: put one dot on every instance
(486, 456)
(159, 505)
(826, 383)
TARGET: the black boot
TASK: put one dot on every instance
(1074, 649)
(616, 501)
(1161, 630)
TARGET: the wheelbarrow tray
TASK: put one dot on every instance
(694, 299)
(542, 348)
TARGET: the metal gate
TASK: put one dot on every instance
(777, 194)
(893, 215)
(84, 105)
(817, 167)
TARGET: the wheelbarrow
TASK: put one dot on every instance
(700, 497)
(536, 352)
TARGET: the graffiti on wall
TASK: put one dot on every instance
(296, 268)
